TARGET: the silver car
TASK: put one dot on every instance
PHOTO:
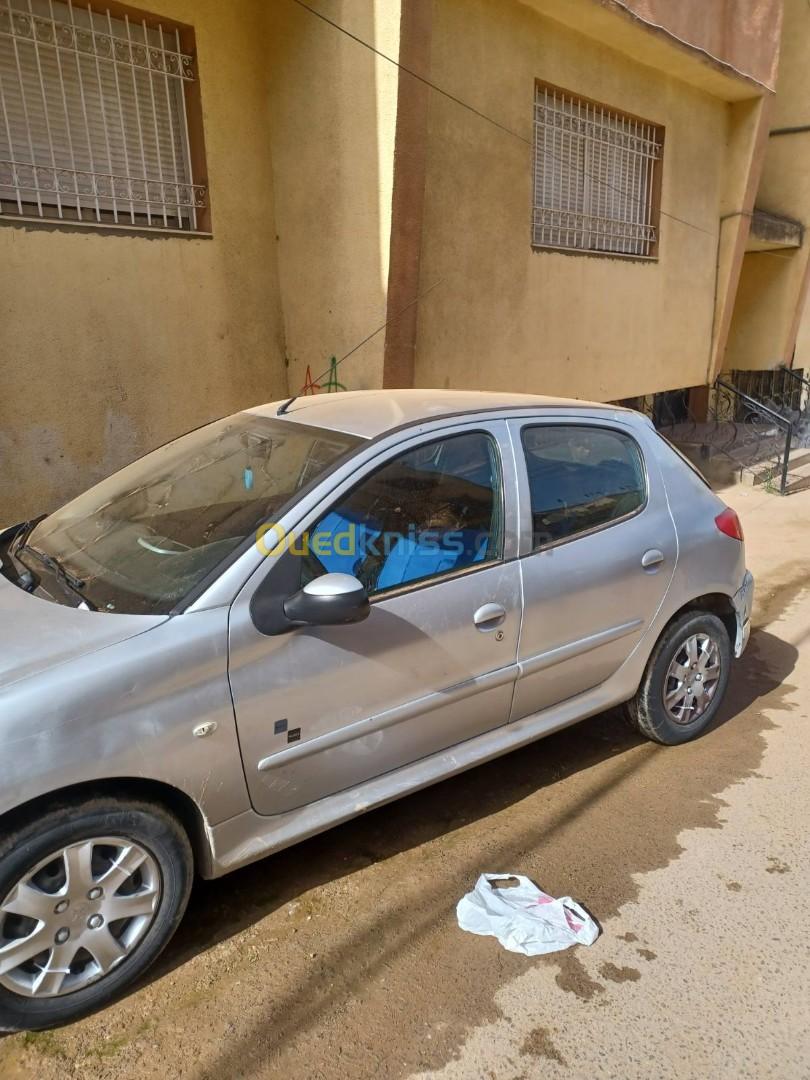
(306, 610)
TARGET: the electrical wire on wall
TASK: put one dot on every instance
(506, 130)
(482, 115)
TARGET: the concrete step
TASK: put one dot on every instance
(769, 475)
(724, 471)
(798, 476)
(764, 475)
(798, 458)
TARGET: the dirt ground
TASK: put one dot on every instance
(342, 957)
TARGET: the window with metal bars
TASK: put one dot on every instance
(99, 118)
(597, 177)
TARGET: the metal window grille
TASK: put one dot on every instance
(93, 118)
(594, 177)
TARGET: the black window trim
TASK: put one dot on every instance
(522, 465)
(437, 423)
(424, 583)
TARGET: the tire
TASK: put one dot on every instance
(140, 853)
(647, 711)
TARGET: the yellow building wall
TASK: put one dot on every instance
(786, 180)
(802, 355)
(333, 118)
(764, 309)
(746, 141)
(504, 316)
(112, 344)
(773, 289)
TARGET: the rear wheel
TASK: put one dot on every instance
(685, 680)
(89, 896)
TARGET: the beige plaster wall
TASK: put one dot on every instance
(112, 344)
(505, 316)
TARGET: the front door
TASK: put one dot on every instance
(598, 554)
(321, 710)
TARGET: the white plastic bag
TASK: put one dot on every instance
(523, 918)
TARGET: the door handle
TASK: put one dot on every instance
(489, 616)
(652, 558)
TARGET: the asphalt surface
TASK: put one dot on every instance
(342, 957)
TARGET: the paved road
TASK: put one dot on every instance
(341, 958)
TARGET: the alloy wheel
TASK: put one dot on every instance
(692, 679)
(76, 916)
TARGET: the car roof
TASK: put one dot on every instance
(369, 413)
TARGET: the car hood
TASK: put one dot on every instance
(37, 634)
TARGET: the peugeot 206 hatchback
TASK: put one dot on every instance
(304, 611)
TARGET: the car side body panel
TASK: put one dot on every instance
(130, 711)
(47, 635)
(706, 562)
(415, 677)
(248, 837)
(158, 705)
(588, 600)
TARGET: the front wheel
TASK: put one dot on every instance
(685, 680)
(89, 896)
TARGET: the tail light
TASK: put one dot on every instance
(729, 523)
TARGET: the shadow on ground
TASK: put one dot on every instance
(354, 990)
(631, 828)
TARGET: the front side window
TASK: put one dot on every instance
(142, 540)
(429, 512)
(597, 177)
(100, 120)
(580, 478)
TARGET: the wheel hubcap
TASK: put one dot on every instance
(692, 679)
(76, 916)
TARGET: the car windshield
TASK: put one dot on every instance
(142, 540)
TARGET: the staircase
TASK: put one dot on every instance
(753, 427)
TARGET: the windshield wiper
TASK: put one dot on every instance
(74, 584)
(24, 531)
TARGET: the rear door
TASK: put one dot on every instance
(598, 551)
(431, 531)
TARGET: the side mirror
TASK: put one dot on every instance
(330, 600)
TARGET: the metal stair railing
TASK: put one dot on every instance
(803, 409)
(758, 420)
(734, 426)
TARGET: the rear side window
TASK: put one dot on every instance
(580, 478)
